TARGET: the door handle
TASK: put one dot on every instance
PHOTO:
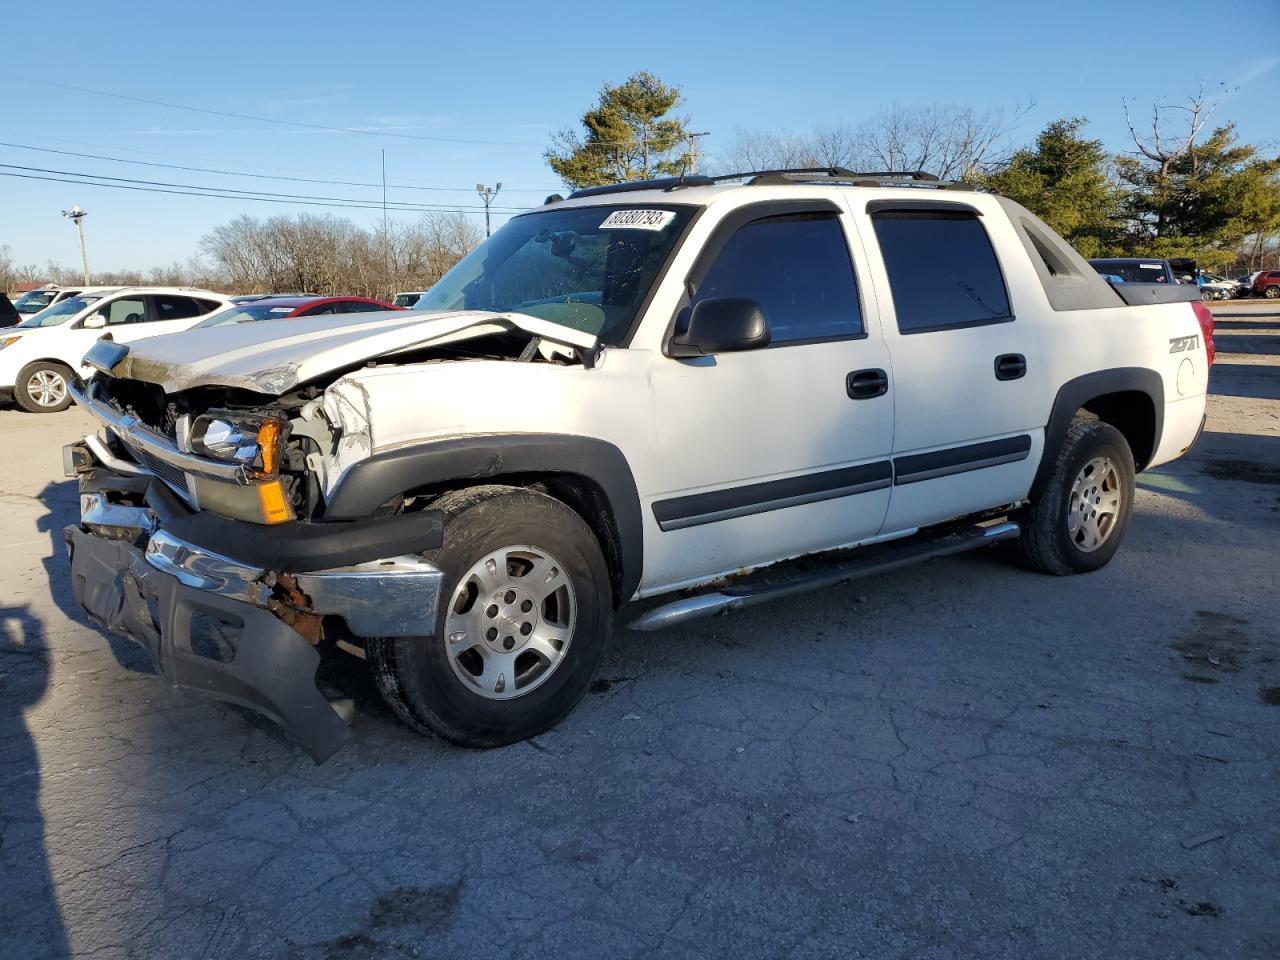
(1011, 366)
(865, 384)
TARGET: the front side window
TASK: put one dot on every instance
(589, 268)
(60, 312)
(797, 268)
(125, 310)
(943, 272)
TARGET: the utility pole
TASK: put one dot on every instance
(693, 150)
(77, 215)
(487, 194)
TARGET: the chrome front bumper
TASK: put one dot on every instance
(227, 629)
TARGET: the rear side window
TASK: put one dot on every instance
(943, 272)
(798, 269)
(168, 307)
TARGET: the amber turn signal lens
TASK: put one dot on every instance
(269, 436)
(275, 506)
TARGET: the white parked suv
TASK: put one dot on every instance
(662, 390)
(41, 356)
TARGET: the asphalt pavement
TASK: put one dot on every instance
(958, 760)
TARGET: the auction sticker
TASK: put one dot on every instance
(638, 219)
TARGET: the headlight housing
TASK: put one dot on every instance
(256, 441)
(8, 341)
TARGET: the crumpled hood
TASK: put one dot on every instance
(274, 356)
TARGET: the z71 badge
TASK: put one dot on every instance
(1181, 344)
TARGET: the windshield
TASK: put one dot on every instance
(588, 268)
(34, 301)
(406, 299)
(244, 312)
(60, 312)
(1133, 271)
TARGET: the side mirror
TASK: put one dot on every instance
(721, 325)
(95, 321)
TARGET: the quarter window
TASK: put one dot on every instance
(175, 308)
(943, 272)
(797, 268)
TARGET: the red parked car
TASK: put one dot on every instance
(1267, 284)
(289, 305)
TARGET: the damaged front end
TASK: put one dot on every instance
(230, 608)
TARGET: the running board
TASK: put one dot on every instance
(773, 584)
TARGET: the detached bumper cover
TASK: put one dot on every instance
(204, 643)
(210, 620)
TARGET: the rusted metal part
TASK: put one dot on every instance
(292, 606)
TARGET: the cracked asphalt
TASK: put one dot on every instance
(959, 760)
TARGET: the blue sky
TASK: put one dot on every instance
(511, 73)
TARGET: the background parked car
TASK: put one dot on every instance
(1267, 284)
(408, 299)
(33, 301)
(1135, 269)
(282, 307)
(8, 315)
(41, 356)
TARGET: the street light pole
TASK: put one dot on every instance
(487, 194)
(77, 214)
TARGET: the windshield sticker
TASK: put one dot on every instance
(1150, 266)
(638, 220)
(282, 309)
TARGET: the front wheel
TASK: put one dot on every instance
(524, 615)
(1077, 522)
(43, 387)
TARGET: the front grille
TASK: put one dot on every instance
(166, 472)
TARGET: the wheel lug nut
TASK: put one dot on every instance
(492, 611)
(526, 629)
(526, 606)
(508, 643)
(510, 597)
(491, 634)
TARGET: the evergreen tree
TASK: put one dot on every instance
(628, 136)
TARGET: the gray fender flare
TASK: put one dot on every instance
(372, 482)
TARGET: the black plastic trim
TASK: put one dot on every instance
(1074, 394)
(953, 460)
(373, 482)
(699, 508)
(922, 205)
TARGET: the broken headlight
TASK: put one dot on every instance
(257, 442)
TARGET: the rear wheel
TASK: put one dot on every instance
(1207, 296)
(1079, 519)
(1272, 293)
(525, 613)
(43, 387)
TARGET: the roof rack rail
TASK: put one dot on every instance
(843, 175)
(662, 183)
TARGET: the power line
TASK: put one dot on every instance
(641, 141)
(261, 199)
(257, 176)
(248, 116)
(216, 190)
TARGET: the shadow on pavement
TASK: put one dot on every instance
(31, 919)
(1250, 380)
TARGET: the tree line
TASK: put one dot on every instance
(303, 253)
(1185, 187)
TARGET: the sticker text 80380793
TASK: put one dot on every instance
(638, 219)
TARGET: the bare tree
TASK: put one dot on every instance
(948, 140)
(1163, 148)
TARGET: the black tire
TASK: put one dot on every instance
(415, 674)
(1207, 296)
(1272, 292)
(36, 402)
(1045, 543)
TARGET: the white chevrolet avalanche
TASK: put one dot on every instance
(670, 389)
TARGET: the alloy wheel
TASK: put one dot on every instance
(1095, 504)
(510, 622)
